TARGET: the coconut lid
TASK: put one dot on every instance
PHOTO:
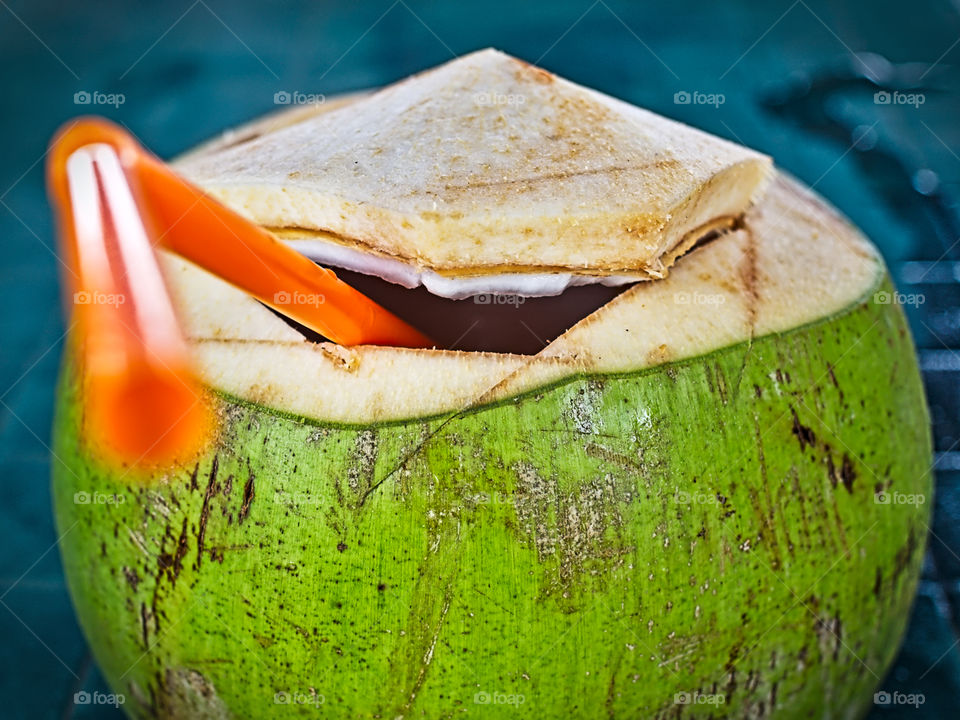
(487, 174)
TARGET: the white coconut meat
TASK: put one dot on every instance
(794, 261)
(486, 174)
(326, 250)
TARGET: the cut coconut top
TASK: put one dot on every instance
(486, 174)
(793, 261)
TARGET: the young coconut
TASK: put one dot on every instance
(681, 499)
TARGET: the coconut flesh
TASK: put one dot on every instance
(584, 504)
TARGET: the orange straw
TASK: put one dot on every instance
(142, 405)
(115, 202)
(200, 229)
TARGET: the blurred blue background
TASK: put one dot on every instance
(858, 99)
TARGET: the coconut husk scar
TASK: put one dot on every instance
(487, 174)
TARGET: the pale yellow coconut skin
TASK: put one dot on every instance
(793, 261)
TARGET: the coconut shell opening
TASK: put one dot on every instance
(488, 321)
(482, 323)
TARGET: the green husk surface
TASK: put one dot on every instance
(717, 526)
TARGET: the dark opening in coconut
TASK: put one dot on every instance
(486, 322)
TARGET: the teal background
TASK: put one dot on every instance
(190, 69)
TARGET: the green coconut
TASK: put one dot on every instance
(708, 497)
